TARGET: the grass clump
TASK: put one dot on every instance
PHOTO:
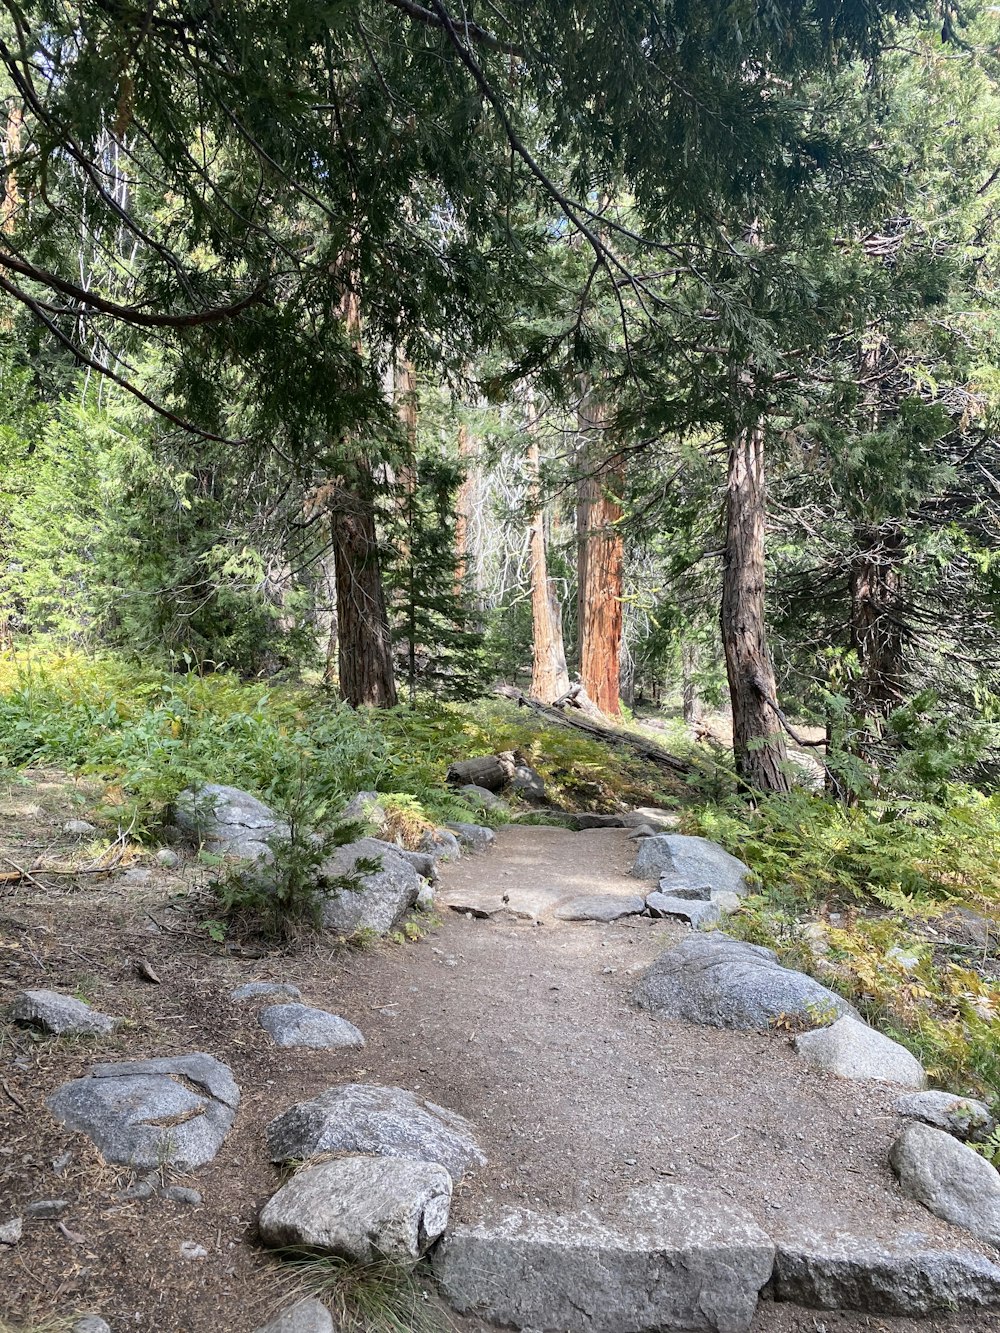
(365, 1298)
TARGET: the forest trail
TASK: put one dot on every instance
(523, 1024)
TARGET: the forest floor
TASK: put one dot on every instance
(520, 1023)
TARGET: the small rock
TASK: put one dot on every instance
(365, 1118)
(361, 1208)
(721, 982)
(60, 1164)
(423, 863)
(442, 844)
(698, 913)
(80, 827)
(59, 1014)
(189, 1249)
(480, 796)
(228, 821)
(727, 902)
(472, 835)
(963, 1117)
(306, 1316)
(300, 1025)
(950, 1179)
(137, 875)
(425, 899)
(641, 831)
(168, 859)
(252, 990)
(181, 1194)
(651, 816)
(853, 1050)
(91, 1323)
(11, 1231)
(366, 806)
(143, 1188)
(907, 959)
(670, 890)
(583, 820)
(151, 1113)
(601, 907)
(47, 1208)
(526, 782)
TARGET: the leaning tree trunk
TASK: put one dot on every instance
(600, 559)
(549, 676)
(758, 744)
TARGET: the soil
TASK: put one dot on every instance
(521, 1023)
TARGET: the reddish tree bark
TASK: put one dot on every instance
(758, 743)
(600, 559)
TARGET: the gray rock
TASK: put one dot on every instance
(481, 796)
(852, 1049)
(384, 896)
(601, 907)
(720, 982)
(726, 902)
(190, 1249)
(168, 859)
(181, 1194)
(367, 806)
(150, 1113)
(361, 1208)
(255, 989)
(60, 1014)
(137, 875)
(91, 1323)
(696, 911)
(11, 1231)
(442, 844)
(680, 1260)
(425, 899)
(526, 782)
(422, 862)
(641, 831)
(384, 1122)
(651, 816)
(585, 819)
(80, 827)
(964, 1117)
(143, 1188)
(306, 1316)
(228, 821)
(703, 894)
(300, 1025)
(472, 835)
(904, 1277)
(950, 1179)
(674, 860)
(46, 1209)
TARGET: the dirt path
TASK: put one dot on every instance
(525, 1028)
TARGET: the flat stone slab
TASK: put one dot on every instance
(300, 1025)
(682, 1259)
(950, 1179)
(675, 860)
(843, 1272)
(369, 1118)
(254, 990)
(361, 1209)
(721, 982)
(964, 1117)
(150, 1113)
(697, 912)
(601, 907)
(474, 836)
(851, 1049)
(61, 1015)
(377, 900)
(306, 1316)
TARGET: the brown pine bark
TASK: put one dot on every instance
(600, 559)
(876, 589)
(758, 743)
(549, 676)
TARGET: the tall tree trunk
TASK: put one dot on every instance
(758, 743)
(549, 676)
(364, 644)
(405, 393)
(876, 588)
(464, 502)
(364, 648)
(600, 558)
(691, 703)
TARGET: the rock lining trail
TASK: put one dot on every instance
(522, 1022)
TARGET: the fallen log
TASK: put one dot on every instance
(486, 771)
(600, 731)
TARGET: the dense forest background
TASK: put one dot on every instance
(420, 353)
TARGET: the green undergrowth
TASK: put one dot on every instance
(366, 1298)
(861, 897)
(150, 733)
